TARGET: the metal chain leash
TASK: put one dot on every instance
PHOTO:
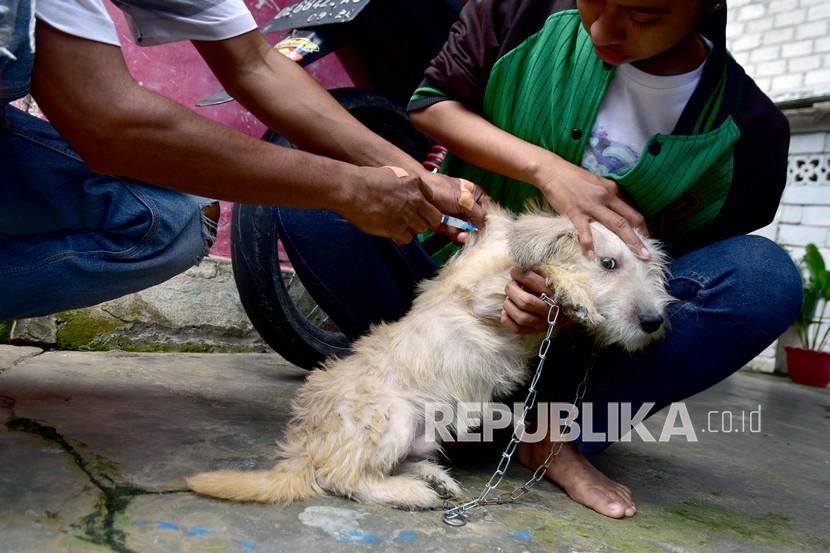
(456, 515)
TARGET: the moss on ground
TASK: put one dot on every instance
(5, 331)
(691, 525)
(124, 343)
(79, 331)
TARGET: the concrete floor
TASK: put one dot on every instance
(95, 446)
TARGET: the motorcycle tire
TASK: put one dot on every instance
(278, 306)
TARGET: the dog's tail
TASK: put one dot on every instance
(289, 481)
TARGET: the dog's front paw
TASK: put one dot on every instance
(417, 508)
(404, 492)
(445, 487)
(436, 477)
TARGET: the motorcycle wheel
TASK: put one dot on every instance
(277, 304)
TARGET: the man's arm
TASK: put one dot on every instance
(120, 128)
(571, 190)
(283, 96)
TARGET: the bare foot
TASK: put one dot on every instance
(572, 472)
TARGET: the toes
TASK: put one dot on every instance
(621, 507)
(444, 486)
(627, 499)
(607, 502)
(435, 477)
(442, 491)
(614, 509)
(625, 492)
(453, 488)
(447, 489)
(630, 509)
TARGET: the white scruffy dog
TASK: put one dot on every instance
(358, 425)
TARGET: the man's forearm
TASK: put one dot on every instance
(477, 141)
(283, 96)
(196, 155)
(120, 128)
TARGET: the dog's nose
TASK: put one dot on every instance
(651, 322)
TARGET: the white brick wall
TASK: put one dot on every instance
(804, 215)
(808, 143)
(783, 44)
(801, 235)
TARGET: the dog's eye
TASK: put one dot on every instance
(608, 263)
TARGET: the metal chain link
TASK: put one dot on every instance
(456, 515)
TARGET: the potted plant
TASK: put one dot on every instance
(810, 363)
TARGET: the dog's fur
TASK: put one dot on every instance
(359, 423)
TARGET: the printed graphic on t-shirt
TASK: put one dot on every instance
(603, 155)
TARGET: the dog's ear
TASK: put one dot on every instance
(536, 238)
(549, 245)
(572, 292)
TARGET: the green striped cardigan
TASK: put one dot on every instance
(528, 66)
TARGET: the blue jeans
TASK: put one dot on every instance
(70, 237)
(358, 279)
(16, 48)
(735, 297)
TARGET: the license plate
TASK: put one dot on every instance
(310, 13)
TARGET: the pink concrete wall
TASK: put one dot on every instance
(177, 71)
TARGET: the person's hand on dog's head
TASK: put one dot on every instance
(584, 197)
(523, 311)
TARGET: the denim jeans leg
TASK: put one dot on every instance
(735, 297)
(71, 238)
(357, 279)
(16, 49)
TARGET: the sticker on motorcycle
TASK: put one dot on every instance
(296, 48)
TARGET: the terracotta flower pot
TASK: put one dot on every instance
(808, 366)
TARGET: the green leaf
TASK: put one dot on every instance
(823, 285)
(808, 306)
(814, 260)
(816, 282)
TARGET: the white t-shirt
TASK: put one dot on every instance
(151, 21)
(636, 105)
